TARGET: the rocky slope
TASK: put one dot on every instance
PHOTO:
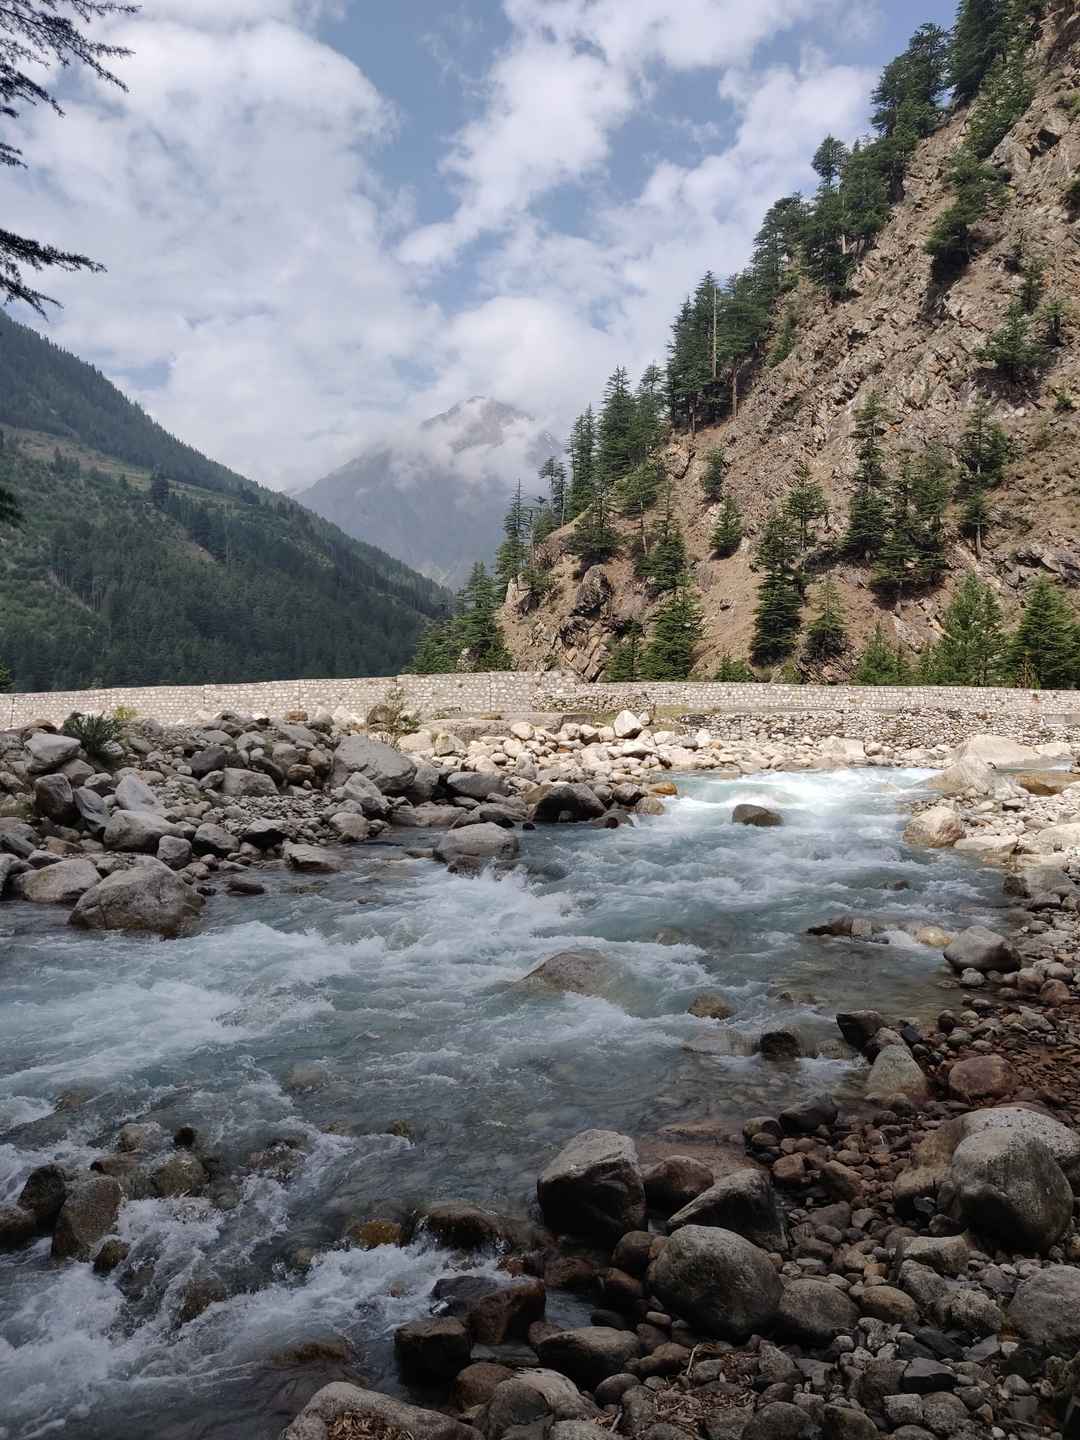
(917, 343)
(436, 499)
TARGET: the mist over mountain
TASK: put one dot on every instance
(434, 496)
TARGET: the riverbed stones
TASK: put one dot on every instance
(432, 1349)
(982, 1077)
(936, 828)
(978, 948)
(711, 1005)
(478, 845)
(61, 884)
(384, 1416)
(137, 831)
(813, 1312)
(674, 1181)
(858, 1027)
(574, 972)
(1009, 1189)
(758, 816)
(146, 898)
(54, 798)
(594, 1187)
(718, 1281)
(1046, 1309)
(477, 1383)
(590, 1354)
(88, 1214)
(181, 1174)
(43, 1194)
(533, 1398)
(311, 859)
(17, 1227)
(246, 784)
(896, 1072)
(743, 1202)
(132, 793)
(563, 803)
(210, 839)
(998, 751)
(48, 752)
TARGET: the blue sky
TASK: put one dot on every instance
(326, 219)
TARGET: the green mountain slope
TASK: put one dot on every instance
(140, 561)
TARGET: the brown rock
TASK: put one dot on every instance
(675, 1181)
(476, 1384)
(790, 1170)
(982, 1077)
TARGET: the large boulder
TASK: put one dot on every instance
(1052, 839)
(936, 828)
(573, 972)
(60, 884)
(134, 794)
(87, 1215)
(211, 839)
(533, 1398)
(54, 798)
(626, 725)
(757, 815)
(137, 831)
(206, 762)
(432, 1349)
(978, 948)
(388, 770)
(477, 784)
(594, 1187)
(998, 751)
(971, 773)
(314, 859)
(246, 784)
(896, 1072)
(719, 1282)
(477, 845)
(48, 752)
(91, 810)
(378, 1415)
(674, 1181)
(363, 792)
(148, 897)
(743, 1202)
(563, 802)
(1046, 1309)
(1009, 1189)
(813, 1312)
(981, 1078)
(590, 1354)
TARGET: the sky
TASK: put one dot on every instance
(324, 220)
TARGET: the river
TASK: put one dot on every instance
(397, 980)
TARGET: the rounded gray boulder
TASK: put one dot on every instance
(718, 1281)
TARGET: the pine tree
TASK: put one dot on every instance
(985, 449)
(865, 194)
(1005, 93)
(976, 515)
(827, 638)
(10, 510)
(912, 553)
(880, 663)
(829, 161)
(616, 431)
(727, 533)
(477, 628)
(981, 34)
(1044, 650)
(778, 614)
(805, 504)
(677, 631)
(624, 663)
(1013, 349)
(866, 520)
(581, 449)
(159, 489)
(971, 647)
(437, 652)
(978, 189)
(594, 539)
(514, 551)
(649, 407)
(714, 476)
(1053, 320)
(553, 473)
(666, 561)
(734, 672)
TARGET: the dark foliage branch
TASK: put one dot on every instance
(42, 33)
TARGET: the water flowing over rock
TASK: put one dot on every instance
(86, 1217)
(574, 972)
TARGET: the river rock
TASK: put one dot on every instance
(181, 1174)
(722, 1284)
(574, 972)
(970, 773)
(247, 784)
(43, 1194)
(17, 1227)
(206, 762)
(549, 804)
(432, 1349)
(60, 884)
(137, 831)
(896, 1072)
(145, 898)
(998, 751)
(590, 1354)
(743, 1202)
(493, 1310)
(349, 827)
(982, 1077)
(594, 1187)
(54, 798)
(1046, 1309)
(363, 792)
(780, 1421)
(477, 785)
(477, 1383)
(813, 1312)
(711, 1005)
(478, 844)
(86, 1217)
(1051, 839)
(1009, 1189)
(756, 815)
(384, 1416)
(858, 1027)
(674, 1181)
(977, 948)
(174, 852)
(388, 770)
(311, 859)
(134, 794)
(91, 810)
(936, 828)
(532, 1398)
(212, 839)
(48, 752)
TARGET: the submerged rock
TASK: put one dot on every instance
(573, 972)
(757, 815)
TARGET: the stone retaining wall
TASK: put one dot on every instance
(856, 711)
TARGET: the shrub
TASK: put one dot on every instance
(391, 718)
(99, 735)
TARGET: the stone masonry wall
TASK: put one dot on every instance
(855, 711)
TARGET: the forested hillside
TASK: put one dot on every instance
(861, 456)
(137, 560)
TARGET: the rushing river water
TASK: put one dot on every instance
(399, 981)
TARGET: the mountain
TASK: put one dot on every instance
(140, 561)
(435, 497)
(916, 330)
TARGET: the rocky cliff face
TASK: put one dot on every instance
(918, 343)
